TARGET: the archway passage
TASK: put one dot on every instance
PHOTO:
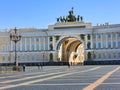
(71, 50)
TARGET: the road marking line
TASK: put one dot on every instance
(44, 79)
(102, 79)
(110, 83)
(59, 84)
(33, 73)
(25, 78)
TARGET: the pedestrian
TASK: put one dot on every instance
(68, 64)
(38, 66)
(41, 65)
(24, 67)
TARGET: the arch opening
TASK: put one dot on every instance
(71, 50)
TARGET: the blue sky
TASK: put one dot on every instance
(41, 13)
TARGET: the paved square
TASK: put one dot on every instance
(63, 78)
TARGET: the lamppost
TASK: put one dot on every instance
(43, 58)
(15, 37)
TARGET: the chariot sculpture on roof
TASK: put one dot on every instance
(70, 18)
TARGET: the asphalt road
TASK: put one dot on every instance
(63, 78)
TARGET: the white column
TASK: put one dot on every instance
(39, 43)
(30, 44)
(116, 40)
(35, 43)
(96, 41)
(111, 40)
(48, 43)
(86, 39)
(44, 42)
(91, 39)
(53, 43)
(101, 41)
(21, 44)
(106, 41)
(25, 44)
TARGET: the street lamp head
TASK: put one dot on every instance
(10, 36)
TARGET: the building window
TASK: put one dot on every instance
(114, 55)
(104, 44)
(23, 58)
(38, 57)
(118, 43)
(118, 54)
(32, 39)
(32, 47)
(18, 58)
(109, 35)
(99, 36)
(99, 45)
(23, 47)
(104, 36)
(118, 35)
(104, 55)
(37, 47)
(94, 45)
(28, 58)
(33, 57)
(9, 47)
(3, 48)
(42, 46)
(114, 44)
(3, 39)
(28, 47)
(3, 58)
(8, 58)
(109, 55)
(94, 36)
(94, 56)
(114, 35)
(37, 39)
(109, 44)
(99, 56)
